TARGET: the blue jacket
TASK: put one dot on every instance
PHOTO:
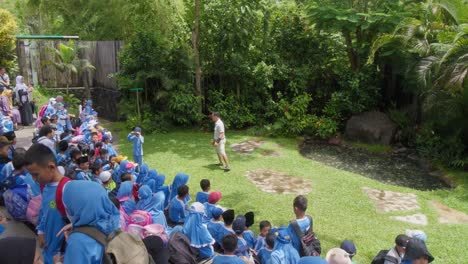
(137, 144)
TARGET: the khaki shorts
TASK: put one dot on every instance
(220, 149)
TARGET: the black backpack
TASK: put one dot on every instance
(310, 244)
(381, 257)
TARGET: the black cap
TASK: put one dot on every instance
(228, 216)
(249, 219)
(416, 249)
(402, 240)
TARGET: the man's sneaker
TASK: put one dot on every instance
(227, 168)
(219, 164)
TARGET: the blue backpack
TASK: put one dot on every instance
(16, 201)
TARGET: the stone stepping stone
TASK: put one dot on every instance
(247, 147)
(418, 219)
(272, 181)
(448, 215)
(271, 153)
(388, 201)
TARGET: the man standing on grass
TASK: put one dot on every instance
(219, 141)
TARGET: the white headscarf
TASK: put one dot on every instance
(20, 86)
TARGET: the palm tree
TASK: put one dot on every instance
(68, 63)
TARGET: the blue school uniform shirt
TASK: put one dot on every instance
(249, 237)
(242, 248)
(50, 223)
(260, 243)
(202, 197)
(227, 259)
(83, 175)
(218, 231)
(110, 149)
(265, 255)
(177, 211)
(304, 225)
(82, 249)
(137, 144)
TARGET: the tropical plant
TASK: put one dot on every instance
(67, 62)
(8, 29)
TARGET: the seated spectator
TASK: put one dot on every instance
(300, 208)
(46, 135)
(152, 204)
(197, 233)
(312, 260)
(337, 256)
(156, 248)
(350, 248)
(238, 226)
(103, 156)
(213, 198)
(82, 172)
(395, 255)
(216, 228)
(62, 155)
(96, 170)
(87, 204)
(249, 235)
(264, 254)
(202, 197)
(125, 197)
(177, 207)
(179, 180)
(284, 252)
(143, 174)
(417, 253)
(229, 257)
(107, 182)
(265, 228)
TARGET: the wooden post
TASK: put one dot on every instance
(198, 71)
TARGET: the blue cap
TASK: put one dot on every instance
(217, 212)
(349, 247)
(137, 129)
(239, 224)
(105, 137)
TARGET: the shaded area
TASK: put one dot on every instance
(277, 182)
(391, 169)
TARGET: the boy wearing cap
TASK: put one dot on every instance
(138, 141)
(350, 248)
(238, 226)
(396, 254)
(82, 172)
(417, 253)
(107, 182)
(107, 145)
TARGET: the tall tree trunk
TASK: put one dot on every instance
(198, 71)
(352, 54)
(238, 88)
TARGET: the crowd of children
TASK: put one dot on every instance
(83, 217)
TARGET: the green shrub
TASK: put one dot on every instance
(8, 28)
(183, 106)
(324, 127)
(293, 115)
(234, 115)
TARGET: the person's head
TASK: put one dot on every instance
(112, 159)
(217, 212)
(4, 145)
(20, 250)
(417, 252)
(137, 130)
(62, 146)
(54, 119)
(105, 177)
(11, 136)
(46, 131)
(300, 205)
(229, 244)
(45, 121)
(214, 197)
(105, 138)
(215, 116)
(338, 256)
(228, 217)
(59, 99)
(349, 247)
(104, 154)
(19, 161)
(94, 137)
(205, 185)
(75, 154)
(270, 240)
(2, 70)
(126, 176)
(239, 225)
(83, 163)
(42, 164)
(265, 228)
(183, 191)
(249, 219)
(96, 168)
(400, 243)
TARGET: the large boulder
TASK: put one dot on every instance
(371, 127)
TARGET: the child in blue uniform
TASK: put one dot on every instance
(202, 197)
(43, 167)
(238, 226)
(177, 208)
(249, 235)
(138, 141)
(264, 254)
(300, 207)
(82, 172)
(265, 228)
(229, 256)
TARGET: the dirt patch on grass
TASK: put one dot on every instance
(247, 147)
(271, 153)
(388, 201)
(278, 182)
(418, 219)
(448, 215)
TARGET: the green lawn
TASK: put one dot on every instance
(340, 208)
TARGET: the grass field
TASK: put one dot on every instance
(340, 208)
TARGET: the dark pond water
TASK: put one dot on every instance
(392, 169)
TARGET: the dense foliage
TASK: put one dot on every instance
(8, 28)
(285, 67)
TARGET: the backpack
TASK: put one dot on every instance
(156, 230)
(180, 250)
(16, 201)
(140, 217)
(120, 247)
(310, 244)
(32, 213)
(381, 257)
(42, 111)
(59, 197)
(124, 217)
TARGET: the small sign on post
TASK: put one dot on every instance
(137, 90)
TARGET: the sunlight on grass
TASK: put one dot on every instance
(340, 208)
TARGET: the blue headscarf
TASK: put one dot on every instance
(284, 250)
(152, 185)
(122, 166)
(159, 180)
(142, 176)
(179, 180)
(152, 204)
(147, 201)
(194, 229)
(125, 191)
(87, 204)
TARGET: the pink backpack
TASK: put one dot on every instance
(140, 217)
(32, 212)
(124, 218)
(155, 230)
(42, 111)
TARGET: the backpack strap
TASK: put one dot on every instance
(311, 222)
(296, 228)
(59, 195)
(93, 233)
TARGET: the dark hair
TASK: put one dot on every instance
(10, 135)
(228, 217)
(64, 135)
(44, 119)
(19, 158)
(83, 160)
(2, 68)
(54, 117)
(93, 134)
(264, 224)
(74, 152)
(300, 202)
(98, 145)
(63, 146)
(217, 114)
(229, 243)
(205, 184)
(270, 240)
(112, 156)
(126, 176)
(103, 152)
(183, 190)
(45, 130)
(114, 200)
(95, 167)
(40, 155)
